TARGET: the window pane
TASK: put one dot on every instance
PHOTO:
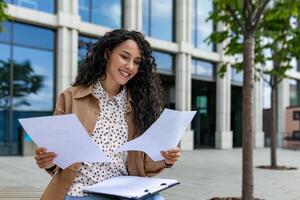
(4, 76)
(84, 44)
(5, 35)
(164, 61)
(33, 79)
(294, 92)
(84, 10)
(44, 5)
(160, 18)
(146, 17)
(201, 28)
(31, 36)
(236, 76)
(202, 68)
(107, 13)
(267, 93)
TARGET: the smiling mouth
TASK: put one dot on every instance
(124, 73)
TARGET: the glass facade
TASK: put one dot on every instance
(164, 61)
(44, 5)
(102, 12)
(201, 28)
(204, 102)
(236, 76)
(84, 44)
(202, 68)
(266, 93)
(27, 79)
(294, 92)
(236, 115)
(158, 19)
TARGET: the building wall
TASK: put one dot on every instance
(191, 58)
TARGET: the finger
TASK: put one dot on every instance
(45, 162)
(45, 155)
(171, 158)
(172, 154)
(174, 150)
(166, 156)
(40, 150)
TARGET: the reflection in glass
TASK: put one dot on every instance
(44, 5)
(202, 68)
(84, 7)
(84, 44)
(294, 92)
(4, 76)
(236, 76)
(164, 61)
(5, 35)
(33, 36)
(158, 19)
(33, 79)
(102, 12)
(201, 28)
(267, 92)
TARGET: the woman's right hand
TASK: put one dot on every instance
(43, 158)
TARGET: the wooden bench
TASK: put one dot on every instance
(18, 193)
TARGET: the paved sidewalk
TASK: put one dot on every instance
(203, 174)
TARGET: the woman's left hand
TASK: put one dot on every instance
(171, 156)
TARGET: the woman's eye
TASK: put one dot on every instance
(124, 57)
(137, 62)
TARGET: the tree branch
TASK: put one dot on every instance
(259, 13)
(261, 73)
(238, 21)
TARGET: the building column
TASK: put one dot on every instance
(257, 113)
(183, 95)
(133, 15)
(67, 44)
(183, 78)
(283, 101)
(223, 135)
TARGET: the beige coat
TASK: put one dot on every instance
(80, 100)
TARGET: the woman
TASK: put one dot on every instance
(117, 95)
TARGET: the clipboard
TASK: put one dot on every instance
(131, 187)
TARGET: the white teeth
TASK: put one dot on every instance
(124, 73)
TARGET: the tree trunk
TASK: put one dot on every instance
(247, 179)
(273, 127)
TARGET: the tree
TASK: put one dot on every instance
(278, 34)
(25, 82)
(241, 18)
(3, 15)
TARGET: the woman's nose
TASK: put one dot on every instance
(129, 65)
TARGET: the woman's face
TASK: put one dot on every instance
(123, 62)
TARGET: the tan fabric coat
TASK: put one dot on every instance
(80, 100)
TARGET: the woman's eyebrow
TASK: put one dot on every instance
(128, 53)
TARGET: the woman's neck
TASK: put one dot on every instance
(110, 87)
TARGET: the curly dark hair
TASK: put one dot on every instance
(145, 87)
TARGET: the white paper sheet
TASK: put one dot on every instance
(64, 135)
(162, 135)
(131, 186)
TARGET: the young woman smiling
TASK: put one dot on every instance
(117, 95)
